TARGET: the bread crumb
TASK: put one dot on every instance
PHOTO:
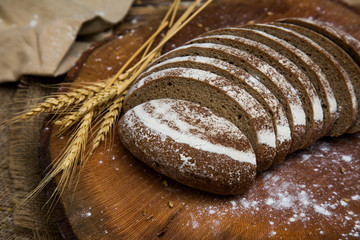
(199, 25)
(251, 22)
(165, 183)
(171, 204)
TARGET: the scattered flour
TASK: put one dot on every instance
(346, 158)
(34, 21)
(300, 200)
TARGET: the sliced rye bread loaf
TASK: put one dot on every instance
(294, 76)
(262, 79)
(193, 145)
(266, 74)
(218, 94)
(340, 55)
(335, 74)
(245, 81)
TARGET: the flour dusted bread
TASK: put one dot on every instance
(246, 81)
(344, 47)
(295, 86)
(347, 63)
(190, 144)
(217, 93)
(347, 42)
(259, 69)
(280, 86)
(310, 68)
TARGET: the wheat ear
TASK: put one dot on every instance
(109, 121)
(92, 102)
(60, 102)
(67, 163)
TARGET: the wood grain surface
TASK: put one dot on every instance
(315, 194)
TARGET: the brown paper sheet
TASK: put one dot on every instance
(40, 37)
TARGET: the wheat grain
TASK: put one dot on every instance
(60, 102)
(111, 90)
(92, 102)
(108, 121)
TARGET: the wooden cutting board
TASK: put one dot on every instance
(315, 194)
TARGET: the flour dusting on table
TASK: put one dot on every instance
(303, 200)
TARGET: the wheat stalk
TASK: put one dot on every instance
(109, 120)
(67, 163)
(60, 101)
(106, 95)
(93, 102)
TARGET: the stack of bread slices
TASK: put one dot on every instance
(236, 101)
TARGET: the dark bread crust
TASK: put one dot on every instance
(198, 167)
(335, 74)
(347, 42)
(339, 48)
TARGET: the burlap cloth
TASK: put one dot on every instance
(20, 171)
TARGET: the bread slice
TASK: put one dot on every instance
(298, 81)
(336, 51)
(335, 74)
(245, 81)
(216, 93)
(191, 144)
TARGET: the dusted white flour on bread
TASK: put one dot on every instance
(244, 99)
(316, 69)
(295, 103)
(280, 96)
(191, 128)
(190, 144)
(287, 94)
(315, 101)
(334, 72)
(347, 81)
